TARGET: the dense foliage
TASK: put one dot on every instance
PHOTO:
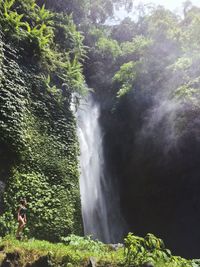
(38, 130)
(151, 250)
(83, 251)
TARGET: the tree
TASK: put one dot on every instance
(95, 11)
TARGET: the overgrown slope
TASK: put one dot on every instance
(40, 69)
(83, 251)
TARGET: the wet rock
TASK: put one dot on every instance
(11, 260)
(148, 264)
(92, 262)
(116, 246)
(13, 256)
(2, 248)
(6, 263)
(43, 261)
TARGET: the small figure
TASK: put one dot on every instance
(21, 218)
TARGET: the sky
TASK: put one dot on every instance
(173, 5)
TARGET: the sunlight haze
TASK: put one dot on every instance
(171, 4)
(174, 5)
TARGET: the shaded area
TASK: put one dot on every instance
(158, 183)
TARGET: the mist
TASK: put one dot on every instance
(152, 132)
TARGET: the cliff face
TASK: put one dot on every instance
(158, 175)
(149, 94)
(38, 143)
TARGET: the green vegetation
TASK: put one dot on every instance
(38, 129)
(150, 250)
(50, 50)
(79, 251)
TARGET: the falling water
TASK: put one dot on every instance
(99, 203)
(2, 187)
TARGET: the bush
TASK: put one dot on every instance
(84, 244)
(150, 249)
(50, 208)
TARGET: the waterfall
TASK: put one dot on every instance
(100, 213)
(2, 187)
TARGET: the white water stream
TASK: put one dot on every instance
(99, 205)
(2, 187)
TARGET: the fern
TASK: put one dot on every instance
(11, 18)
(43, 16)
(7, 6)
